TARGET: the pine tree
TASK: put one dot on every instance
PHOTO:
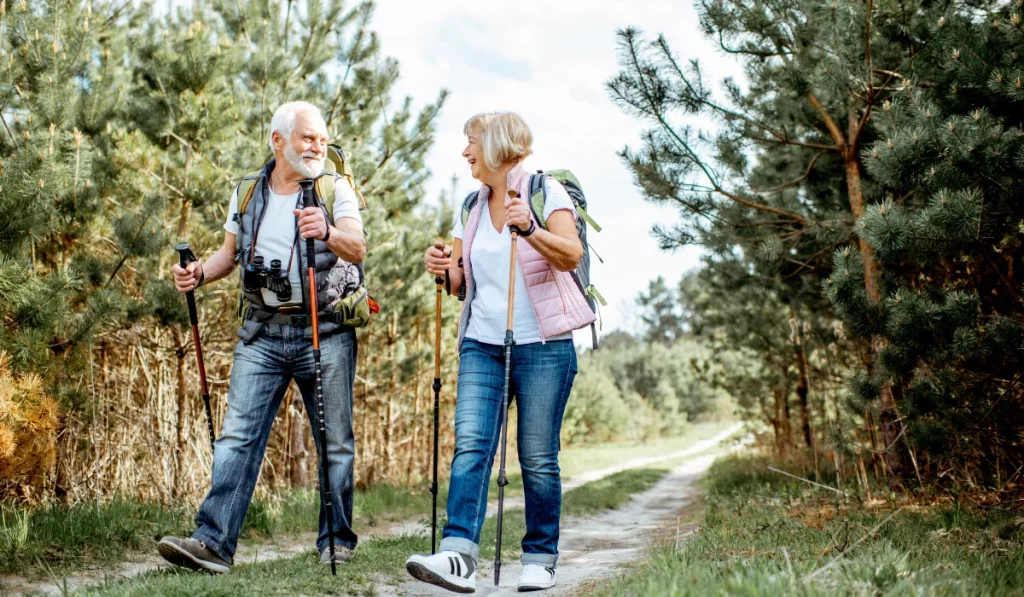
(58, 84)
(778, 183)
(660, 313)
(949, 159)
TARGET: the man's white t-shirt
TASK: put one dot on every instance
(276, 238)
(491, 252)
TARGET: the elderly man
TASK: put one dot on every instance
(275, 346)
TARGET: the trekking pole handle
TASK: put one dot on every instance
(185, 257)
(440, 247)
(308, 200)
(514, 229)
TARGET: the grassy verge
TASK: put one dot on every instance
(64, 537)
(376, 560)
(577, 460)
(59, 540)
(765, 534)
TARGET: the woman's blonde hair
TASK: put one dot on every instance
(505, 137)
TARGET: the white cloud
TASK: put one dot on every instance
(548, 60)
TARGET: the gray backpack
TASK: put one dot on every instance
(537, 200)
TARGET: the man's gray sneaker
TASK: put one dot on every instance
(191, 554)
(341, 555)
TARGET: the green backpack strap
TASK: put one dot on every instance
(246, 188)
(338, 163)
(323, 186)
(538, 196)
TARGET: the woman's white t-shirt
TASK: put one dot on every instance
(491, 252)
(276, 238)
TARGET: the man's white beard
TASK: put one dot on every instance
(309, 169)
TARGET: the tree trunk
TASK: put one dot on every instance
(856, 196)
(781, 423)
(802, 386)
(802, 390)
(299, 469)
(871, 273)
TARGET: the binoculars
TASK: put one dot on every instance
(257, 276)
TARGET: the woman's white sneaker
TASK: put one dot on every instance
(535, 577)
(447, 569)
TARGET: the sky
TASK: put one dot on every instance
(548, 60)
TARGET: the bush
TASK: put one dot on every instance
(28, 431)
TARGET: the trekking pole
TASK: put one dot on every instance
(309, 200)
(185, 257)
(502, 480)
(439, 281)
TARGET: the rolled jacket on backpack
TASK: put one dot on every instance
(557, 300)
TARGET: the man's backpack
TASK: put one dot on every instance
(537, 200)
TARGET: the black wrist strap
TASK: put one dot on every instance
(202, 276)
(327, 235)
(528, 231)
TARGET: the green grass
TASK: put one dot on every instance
(376, 560)
(612, 491)
(764, 534)
(66, 537)
(59, 540)
(577, 460)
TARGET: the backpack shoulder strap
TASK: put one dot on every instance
(538, 197)
(245, 190)
(323, 186)
(338, 162)
(467, 206)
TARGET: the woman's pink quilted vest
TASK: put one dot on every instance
(556, 298)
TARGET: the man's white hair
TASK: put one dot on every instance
(284, 119)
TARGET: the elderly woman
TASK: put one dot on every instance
(548, 307)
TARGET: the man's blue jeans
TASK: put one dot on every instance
(259, 378)
(540, 380)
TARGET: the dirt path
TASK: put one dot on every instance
(512, 503)
(290, 546)
(595, 548)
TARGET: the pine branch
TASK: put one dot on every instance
(655, 110)
(795, 181)
(829, 123)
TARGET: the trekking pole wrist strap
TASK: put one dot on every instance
(202, 276)
(327, 235)
(528, 231)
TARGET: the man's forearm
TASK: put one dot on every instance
(219, 265)
(347, 244)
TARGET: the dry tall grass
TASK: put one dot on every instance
(143, 430)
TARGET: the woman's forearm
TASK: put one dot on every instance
(562, 253)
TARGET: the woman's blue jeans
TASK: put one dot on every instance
(540, 381)
(259, 377)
